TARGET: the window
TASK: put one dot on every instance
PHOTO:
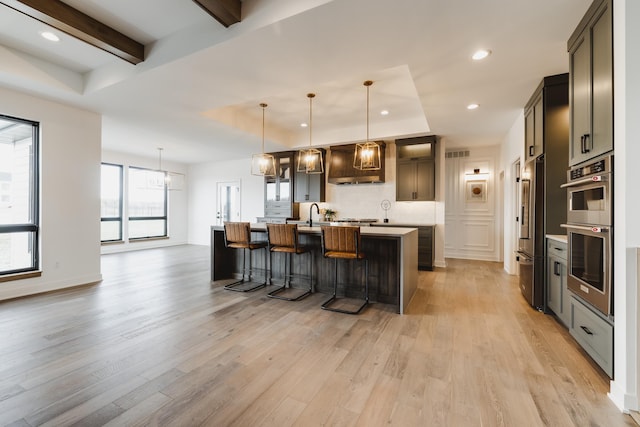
(111, 203)
(147, 203)
(19, 195)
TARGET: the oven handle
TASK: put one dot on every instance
(595, 178)
(594, 229)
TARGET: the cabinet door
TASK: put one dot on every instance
(602, 85)
(554, 285)
(406, 181)
(580, 99)
(538, 128)
(534, 131)
(284, 179)
(425, 180)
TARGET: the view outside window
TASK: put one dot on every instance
(147, 203)
(111, 203)
(18, 195)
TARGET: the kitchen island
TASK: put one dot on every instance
(391, 251)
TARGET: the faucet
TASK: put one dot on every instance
(311, 212)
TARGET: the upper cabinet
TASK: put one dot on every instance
(310, 187)
(591, 84)
(533, 128)
(341, 170)
(416, 169)
(278, 192)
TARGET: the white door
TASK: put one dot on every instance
(228, 202)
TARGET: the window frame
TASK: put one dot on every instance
(121, 206)
(34, 201)
(165, 217)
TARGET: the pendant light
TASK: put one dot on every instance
(263, 164)
(367, 155)
(310, 160)
(166, 177)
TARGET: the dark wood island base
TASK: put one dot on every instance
(392, 254)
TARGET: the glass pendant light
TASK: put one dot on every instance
(367, 155)
(310, 160)
(263, 164)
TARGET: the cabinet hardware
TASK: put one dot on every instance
(556, 269)
(587, 139)
(532, 150)
(587, 330)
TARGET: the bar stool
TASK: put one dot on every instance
(340, 242)
(238, 235)
(283, 238)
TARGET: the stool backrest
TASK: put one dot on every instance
(237, 232)
(340, 239)
(283, 235)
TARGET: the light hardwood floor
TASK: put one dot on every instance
(157, 344)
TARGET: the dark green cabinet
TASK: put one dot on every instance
(534, 129)
(557, 291)
(591, 84)
(310, 187)
(415, 169)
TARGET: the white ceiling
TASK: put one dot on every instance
(197, 93)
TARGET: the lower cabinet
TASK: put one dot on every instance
(426, 248)
(557, 292)
(594, 334)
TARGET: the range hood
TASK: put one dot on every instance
(341, 170)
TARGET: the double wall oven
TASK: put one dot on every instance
(590, 232)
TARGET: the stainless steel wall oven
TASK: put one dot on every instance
(590, 234)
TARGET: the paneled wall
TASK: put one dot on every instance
(472, 204)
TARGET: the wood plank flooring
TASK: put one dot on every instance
(157, 344)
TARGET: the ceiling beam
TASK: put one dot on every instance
(75, 23)
(226, 12)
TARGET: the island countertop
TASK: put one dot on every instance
(364, 230)
(391, 253)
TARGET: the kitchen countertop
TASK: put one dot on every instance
(364, 230)
(558, 237)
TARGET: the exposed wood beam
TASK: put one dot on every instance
(226, 12)
(75, 23)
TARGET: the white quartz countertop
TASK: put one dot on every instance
(558, 237)
(365, 231)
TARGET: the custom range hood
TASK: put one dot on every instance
(341, 170)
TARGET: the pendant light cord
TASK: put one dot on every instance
(368, 83)
(263, 105)
(310, 96)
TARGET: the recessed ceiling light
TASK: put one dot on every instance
(481, 54)
(50, 36)
(384, 112)
(303, 125)
(472, 106)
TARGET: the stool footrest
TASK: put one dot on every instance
(244, 286)
(327, 305)
(275, 294)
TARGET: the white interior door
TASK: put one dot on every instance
(228, 202)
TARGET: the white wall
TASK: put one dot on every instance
(626, 65)
(473, 227)
(178, 203)
(70, 193)
(512, 149)
(202, 184)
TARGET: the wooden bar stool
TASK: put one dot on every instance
(237, 235)
(283, 238)
(339, 242)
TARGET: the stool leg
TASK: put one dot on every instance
(236, 285)
(326, 304)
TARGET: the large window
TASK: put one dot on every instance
(147, 203)
(19, 222)
(111, 203)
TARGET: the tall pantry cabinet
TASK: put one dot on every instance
(591, 84)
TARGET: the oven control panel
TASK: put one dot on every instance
(598, 167)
